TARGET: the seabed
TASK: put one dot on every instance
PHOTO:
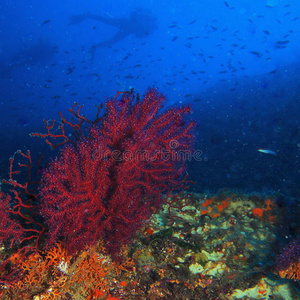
(198, 246)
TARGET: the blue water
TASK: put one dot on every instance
(235, 62)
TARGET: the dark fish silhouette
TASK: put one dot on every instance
(45, 22)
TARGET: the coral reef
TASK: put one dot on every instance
(54, 274)
(181, 253)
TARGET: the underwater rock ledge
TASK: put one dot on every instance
(197, 247)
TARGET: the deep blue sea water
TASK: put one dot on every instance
(235, 62)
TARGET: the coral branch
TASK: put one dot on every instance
(22, 206)
(107, 184)
(76, 128)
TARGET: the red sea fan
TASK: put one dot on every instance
(106, 185)
(9, 229)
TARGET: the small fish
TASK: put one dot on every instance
(282, 42)
(95, 74)
(194, 21)
(45, 22)
(70, 70)
(267, 151)
(273, 71)
(256, 53)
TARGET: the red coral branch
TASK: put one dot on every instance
(76, 128)
(9, 229)
(23, 205)
(107, 184)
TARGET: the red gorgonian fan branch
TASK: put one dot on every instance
(21, 227)
(106, 184)
(77, 131)
(23, 204)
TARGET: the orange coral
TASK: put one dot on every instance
(35, 274)
(95, 294)
(269, 203)
(34, 268)
(57, 255)
(214, 207)
(91, 272)
(262, 212)
(258, 212)
(208, 202)
(292, 272)
(87, 275)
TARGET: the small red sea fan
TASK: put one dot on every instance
(106, 185)
(9, 229)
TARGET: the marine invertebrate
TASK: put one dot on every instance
(291, 272)
(92, 270)
(288, 262)
(90, 273)
(264, 213)
(19, 223)
(9, 229)
(21, 207)
(105, 185)
(35, 272)
(12, 232)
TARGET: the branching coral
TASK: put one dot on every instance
(106, 185)
(54, 275)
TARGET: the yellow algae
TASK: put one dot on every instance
(196, 268)
(214, 256)
(267, 288)
(180, 259)
(201, 258)
(260, 291)
(285, 289)
(214, 269)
